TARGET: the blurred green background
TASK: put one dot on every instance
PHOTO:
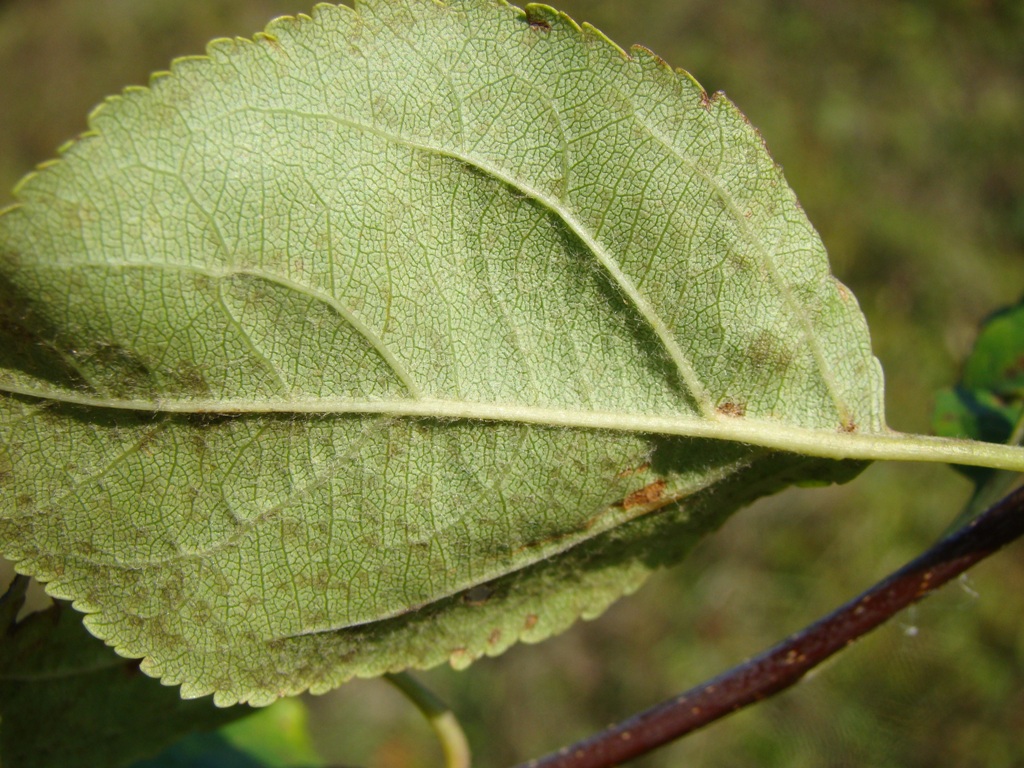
(900, 124)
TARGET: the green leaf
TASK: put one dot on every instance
(67, 700)
(996, 363)
(975, 413)
(203, 750)
(401, 334)
(275, 737)
(278, 736)
(988, 402)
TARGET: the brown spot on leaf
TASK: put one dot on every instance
(539, 18)
(729, 408)
(768, 350)
(649, 494)
(633, 471)
(190, 378)
(531, 621)
(849, 425)
(1015, 369)
(495, 637)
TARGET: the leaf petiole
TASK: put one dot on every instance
(439, 715)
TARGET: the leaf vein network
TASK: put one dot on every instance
(349, 316)
(621, 280)
(768, 260)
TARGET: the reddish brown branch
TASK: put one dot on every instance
(783, 665)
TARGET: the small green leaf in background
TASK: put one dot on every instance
(988, 401)
(203, 750)
(996, 363)
(275, 737)
(988, 404)
(67, 700)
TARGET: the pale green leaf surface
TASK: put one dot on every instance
(402, 334)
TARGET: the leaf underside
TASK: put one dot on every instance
(245, 317)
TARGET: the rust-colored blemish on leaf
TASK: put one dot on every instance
(531, 621)
(539, 18)
(633, 471)
(848, 425)
(1015, 369)
(494, 638)
(729, 408)
(649, 494)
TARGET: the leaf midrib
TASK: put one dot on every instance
(884, 444)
